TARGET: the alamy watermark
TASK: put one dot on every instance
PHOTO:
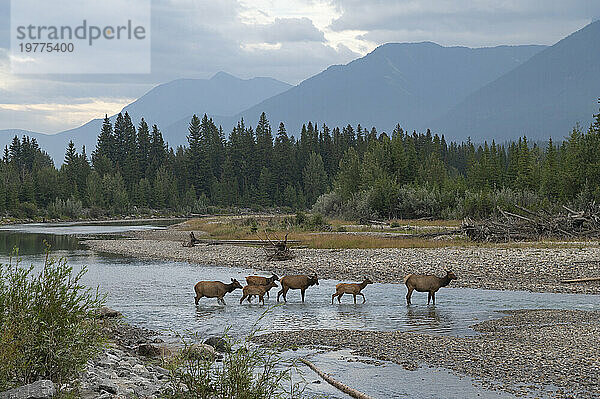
(80, 36)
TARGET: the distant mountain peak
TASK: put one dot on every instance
(224, 76)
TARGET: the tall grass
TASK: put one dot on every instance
(46, 322)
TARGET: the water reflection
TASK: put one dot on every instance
(30, 244)
(431, 317)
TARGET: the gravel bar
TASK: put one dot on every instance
(530, 351)
(529, 269)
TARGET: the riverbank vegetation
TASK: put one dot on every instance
(318, 232)
(245, 371)
(349, 172)
(47, 326)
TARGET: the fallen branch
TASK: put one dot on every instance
(510, 226)
(581, 280)
(342, 387)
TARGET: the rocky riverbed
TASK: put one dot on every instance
(502, 268)
(119, 371)
(524, 353)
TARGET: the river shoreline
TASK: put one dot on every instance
(553, 353)
(527, 352)
(509, 268)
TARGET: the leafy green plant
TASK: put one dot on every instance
(247, 371)
(46, 322)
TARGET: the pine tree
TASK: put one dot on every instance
(314, 178)
(264, 143)
(120, 142)
(104, 154)
(143, 148)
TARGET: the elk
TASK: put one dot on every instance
(353, 289)
(427, 283)
(215, 289)
(259, 280)
(258, 290)
(298, 282)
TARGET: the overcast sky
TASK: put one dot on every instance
(289, 40)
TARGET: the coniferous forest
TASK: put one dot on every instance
(348, 172)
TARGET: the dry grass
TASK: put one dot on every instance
(353, 241)
(254, 227)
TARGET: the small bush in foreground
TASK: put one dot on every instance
(46, 325)
(246, 372)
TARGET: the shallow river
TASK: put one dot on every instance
(159, 295)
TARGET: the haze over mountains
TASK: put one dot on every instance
(499, 92)
(409, 83)
(164, 105)
(541, 98)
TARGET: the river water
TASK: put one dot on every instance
(159, 295)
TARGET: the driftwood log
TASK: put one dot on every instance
(193, 241)
(525, 224)
(581, 280)
(342, 387)
(278, 249)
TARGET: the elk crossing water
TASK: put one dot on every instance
(159, 295)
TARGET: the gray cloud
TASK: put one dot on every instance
(191, 39)
(292, 30)
(197, 38)
(465, 22)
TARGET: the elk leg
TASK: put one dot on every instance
(354, 295)
(261, 299)
(408, 295)
(302, 293)
(333, 296)
(428, 297)
(340, 297)
(242, 300)
(364, 299)
(196, 299)
(282, 292)
(433, 297)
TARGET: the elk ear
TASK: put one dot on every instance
(232, 280)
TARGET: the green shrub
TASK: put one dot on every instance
(71, 208)
(329, 204)
(246, 372)
(46, 325)
(300, 218)
(28, 210)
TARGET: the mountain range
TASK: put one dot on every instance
(495, 92)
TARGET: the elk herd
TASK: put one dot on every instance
(258, 286)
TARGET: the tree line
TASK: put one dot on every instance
(347, 172)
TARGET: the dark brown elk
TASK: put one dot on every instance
(259, 290)
(260, 280)
(215, 289)
(427, 283)
(353, 289)
(298, 282)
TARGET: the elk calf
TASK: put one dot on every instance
(215, 289)
(298, 282)
(258, 290)
(427, 283)
(260, 280)
(353, 289)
